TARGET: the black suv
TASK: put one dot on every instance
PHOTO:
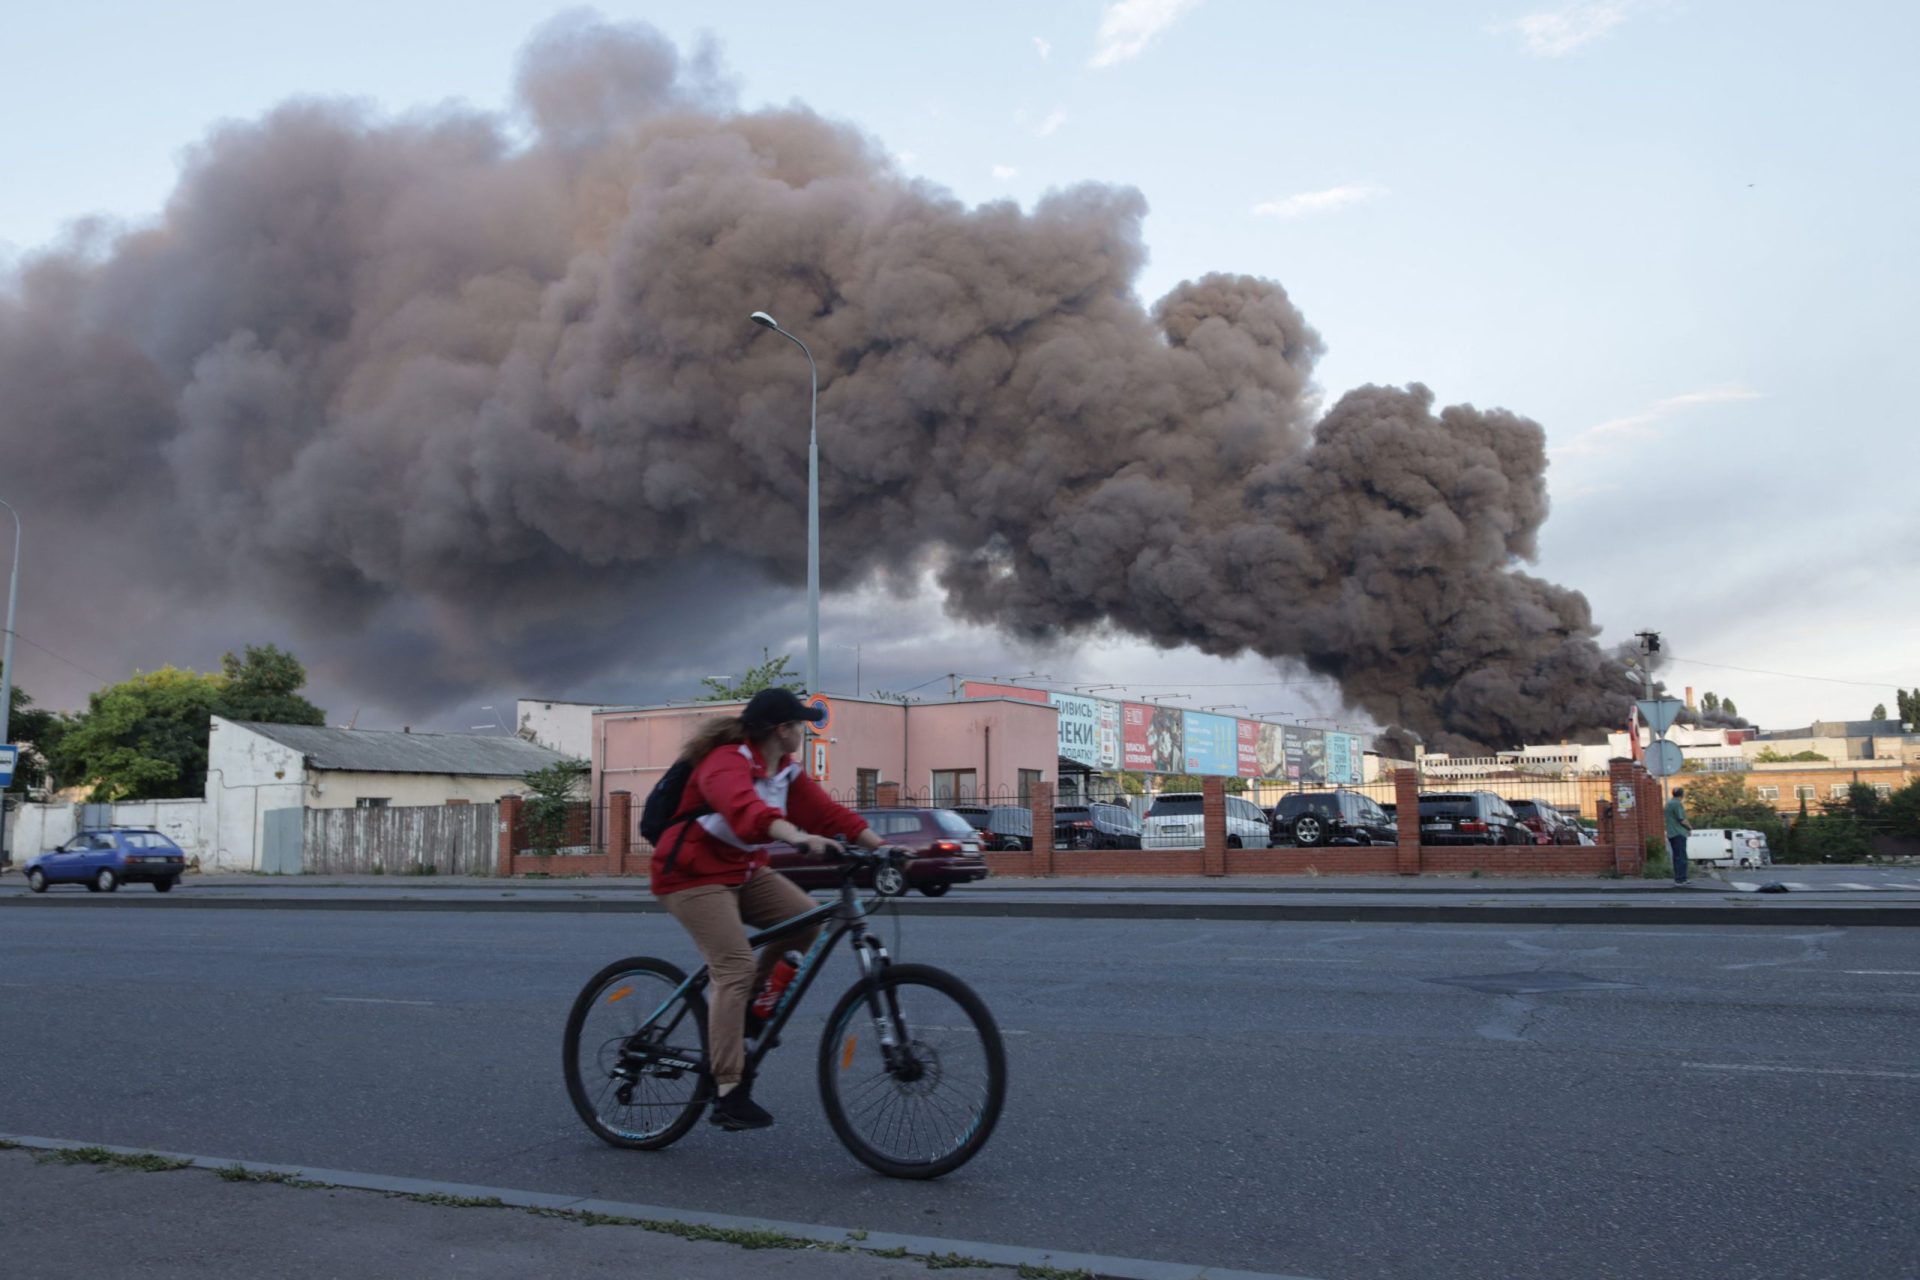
(1095, 826)
(1469, 817)
(1003, 828)
(1309, 818)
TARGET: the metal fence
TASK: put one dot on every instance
(448, 840)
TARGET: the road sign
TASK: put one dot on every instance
(1663, 758)
(9, 756)
(1658, 714)
(820, 700)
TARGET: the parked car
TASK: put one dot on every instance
(1175, 821)
(1095, 826)
(105, 859)
(1728, 847)
(945, 845)
(1310, 818)
(1469, 817)
(1003, 828)
(1548, 824)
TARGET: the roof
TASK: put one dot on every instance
(378, 751)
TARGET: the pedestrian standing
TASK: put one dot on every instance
(1677, 832)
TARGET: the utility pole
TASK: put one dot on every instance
(6, 671)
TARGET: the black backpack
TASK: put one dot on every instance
(663, 802)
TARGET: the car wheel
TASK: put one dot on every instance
(1080, 840)
(1746, 862)
(935, 890)
(1309, 830)
(1233, 842)
(162, 886)
(105, 881)
(890, 881)
(37, 880)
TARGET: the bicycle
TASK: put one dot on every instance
(916, 1099)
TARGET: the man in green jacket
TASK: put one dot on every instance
(1677, 832)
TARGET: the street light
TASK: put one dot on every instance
(813, 503)
(6, 666)
(1226, 706)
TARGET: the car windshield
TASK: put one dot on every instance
(951, 823)
(977, 818)
(1527, 809)
(1431, 806)
(1012, 821)
(1175, 807)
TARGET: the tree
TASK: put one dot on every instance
(771, 673)
(1879, 711)
(264, 686)
(38, 732)
(1723, 800)
(142, 739)
(1767, 755)
(1710, 701)
(1726, 705)
(1194, 782)
(551, 795)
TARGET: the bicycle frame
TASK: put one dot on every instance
(848, 916)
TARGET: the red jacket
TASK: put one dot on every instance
(730, 844)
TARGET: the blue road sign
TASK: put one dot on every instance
(9, 756)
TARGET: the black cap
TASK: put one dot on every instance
(771, 707)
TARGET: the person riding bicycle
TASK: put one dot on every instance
(710, 866)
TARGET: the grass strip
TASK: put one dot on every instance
(141, 1162)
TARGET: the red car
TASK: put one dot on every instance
(945, 845)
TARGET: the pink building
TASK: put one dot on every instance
(947, 752)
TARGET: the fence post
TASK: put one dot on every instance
(510, 807)
(1629, 848)
(1213, 825)
(619, 831)
(886, 795)
(1406, 820)
(1653, 823)
(1043, 828)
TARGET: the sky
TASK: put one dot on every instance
(1679, 235)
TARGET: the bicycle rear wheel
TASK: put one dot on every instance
(635, 1054)
(927, 1105)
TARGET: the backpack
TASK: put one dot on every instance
(663, 802)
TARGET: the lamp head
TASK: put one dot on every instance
(763, 319)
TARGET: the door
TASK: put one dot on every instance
(282, 841)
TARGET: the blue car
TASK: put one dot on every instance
(104, 860)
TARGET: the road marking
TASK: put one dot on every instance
(371, 1000)
(1802, 1071)
(1885, 973)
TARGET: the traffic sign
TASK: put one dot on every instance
(1663, 758)
(1658, 714)
(820, 700)
(9, 757)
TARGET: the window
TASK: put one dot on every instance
(372, 802)
(1029, 779)
(953, 786)
(1768, 793)
(1803, 792)
(1837, 791)
(1882, 789)
(866, 786)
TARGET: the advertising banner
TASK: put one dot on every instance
(1271, 752)
(1212, 744)
(1247, 735)
(1109, 714)
(1136, 753)
(984, 689)
(1338, 757)
(1295, 751)
(1079, 728)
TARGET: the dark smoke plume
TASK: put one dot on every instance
(484, 405)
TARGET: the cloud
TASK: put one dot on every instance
(1556, 33)
(1616, 432)
(1005, 171)
(905, 158)
(1044, 47)
(1127, 27)
(1309, 202)
(1051, 124)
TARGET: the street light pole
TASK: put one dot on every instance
(813, 503)
(6, 667)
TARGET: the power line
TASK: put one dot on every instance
(61, 658)
(1786, 675)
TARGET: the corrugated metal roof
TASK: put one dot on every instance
(381, 751)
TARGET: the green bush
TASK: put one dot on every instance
(1828, 837)
(1659, 861)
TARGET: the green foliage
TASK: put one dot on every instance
(1709, 701)
(1879, 711)
(1195, 782)
(1828, 837)
(1723, 800)
(1768, 755)
(265, 686)
(1907, 703)
(1726, 705)
(39, 733)
(551, 795)
(771, 673)
(1659, 864)
(1900, 812)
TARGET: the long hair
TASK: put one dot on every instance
(720, 731)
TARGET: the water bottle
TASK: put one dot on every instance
(776, 983)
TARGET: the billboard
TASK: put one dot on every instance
(1339, 767)
(1270, 754)
(1079, 728)
(1212, 744)
(1152, 739)
(1247, 745)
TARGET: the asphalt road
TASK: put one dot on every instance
(1318, 1099)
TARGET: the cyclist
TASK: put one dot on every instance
(710, 866)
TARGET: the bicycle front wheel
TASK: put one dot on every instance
(925, 1104)
(635, 1054)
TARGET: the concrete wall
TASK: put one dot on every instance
(247, 776)
(40, 827)
(566, 727)
(337, 789)
(995, 738)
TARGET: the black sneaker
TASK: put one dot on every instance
(738, 1111)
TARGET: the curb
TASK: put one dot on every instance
(920, 1247)
(1742, 910)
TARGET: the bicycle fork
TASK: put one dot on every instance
(883, 1006)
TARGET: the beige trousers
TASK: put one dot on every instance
(716, 915)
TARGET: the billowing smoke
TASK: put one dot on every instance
(477, 400)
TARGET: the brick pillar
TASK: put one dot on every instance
(1653, 825)
(619, 833)
(1043, 828)
(1213, 819)
(1629, 854)
(510, 807)
(1406, 820)
(886, 795)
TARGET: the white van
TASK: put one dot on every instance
(1728, 847)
